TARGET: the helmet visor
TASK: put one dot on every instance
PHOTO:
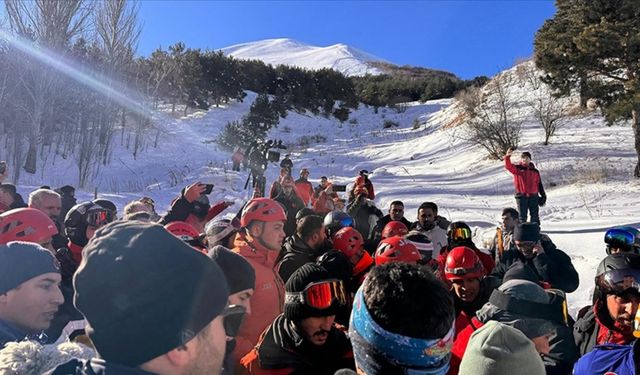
(619, 281)
(460, 234)
(100, 217)
(321, 295)
(619, 238)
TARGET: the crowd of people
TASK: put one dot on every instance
(303, 282)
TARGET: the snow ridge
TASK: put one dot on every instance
(346, 59)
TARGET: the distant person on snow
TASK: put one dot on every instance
(237, 159)
(304, 188)
(362, 181)
(287, 164)
(528, 184)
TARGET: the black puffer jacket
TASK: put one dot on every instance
(296, 253)
(282, 348)
(553, 266)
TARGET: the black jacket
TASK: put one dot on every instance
(292, 204)
(552, 266)
(179, 211)
(96, 367)
(282, 347)
(296, 253)
(376, 233)
(360, 212)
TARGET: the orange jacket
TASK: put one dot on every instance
(267, 300)
(304, 190)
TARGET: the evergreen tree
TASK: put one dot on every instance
(595, 45)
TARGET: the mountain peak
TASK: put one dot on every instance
(341, 57)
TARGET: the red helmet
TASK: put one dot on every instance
(463, 263)
(349, 241)
(26, 224)
(394, 228)
(262, 209)
(186, 232)
(395, 250)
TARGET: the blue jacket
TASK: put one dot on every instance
(606, 359)
(10, 333)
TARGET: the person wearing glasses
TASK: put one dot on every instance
(616, 297)
(304, 339)
(167, 318)
(551, 266)
(622, 239)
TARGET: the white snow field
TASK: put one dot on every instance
(586, 169)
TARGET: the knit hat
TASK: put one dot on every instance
(523, 305)
(294, 309)
(526, 232)
(144, 292)
(238, 271)
(498, 349)
(22, 261)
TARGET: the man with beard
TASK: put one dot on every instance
(309, 242)
(432, 225)
(610, 319)
(396, 213)
(136, 313)
(49, 202)
(305, 339)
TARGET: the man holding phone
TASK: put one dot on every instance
(193, 207)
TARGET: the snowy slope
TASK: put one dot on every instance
(586, 169)
(346, 59)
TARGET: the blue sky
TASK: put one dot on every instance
(468, 38)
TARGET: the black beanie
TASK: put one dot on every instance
(22, 261)
(144, 292)
(526, 232)
(305, 275)
(238, 271)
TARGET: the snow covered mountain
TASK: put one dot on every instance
(346, 59)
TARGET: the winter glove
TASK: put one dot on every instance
(68, 266)
(542, 200)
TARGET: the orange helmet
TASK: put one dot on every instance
(26, 224)
(187, 233)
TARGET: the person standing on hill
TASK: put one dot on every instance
(528, 184)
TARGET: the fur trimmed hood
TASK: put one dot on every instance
(32, 358)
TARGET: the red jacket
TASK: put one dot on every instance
(460, 342)
(526, 178)
(304, 190)
(267, 300)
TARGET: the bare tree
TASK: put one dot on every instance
(547, 109)
(52, 24)
(494, 121)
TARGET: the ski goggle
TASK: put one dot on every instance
(619, 281)
(100, 217)
(233, 315)
(619, 238)
(460, 234)
(320, 295)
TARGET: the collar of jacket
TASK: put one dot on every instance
(76, 251)
(257, 252)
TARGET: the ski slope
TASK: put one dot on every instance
(586, 170)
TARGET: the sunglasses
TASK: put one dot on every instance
(619, 238)
(320, 295)
(619, 281)
(232, 317)
(461, 234)
(99, 217)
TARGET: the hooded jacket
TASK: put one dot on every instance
(282, 350)
(595, 327)
(267, 300)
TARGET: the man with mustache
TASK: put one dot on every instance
(616, 296)
(305, 339)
